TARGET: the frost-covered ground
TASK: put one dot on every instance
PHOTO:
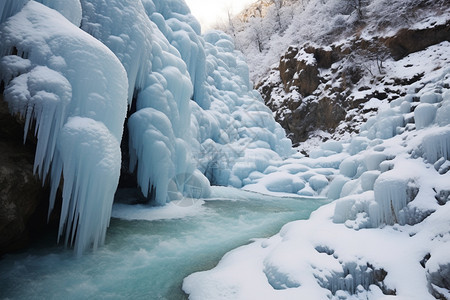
(388, 233)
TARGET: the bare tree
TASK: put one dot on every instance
(358, 6)
(257, 31)
(278, 4)
(231, 26)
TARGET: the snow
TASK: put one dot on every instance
(318, 182)
(386, 235)
(194, 120)
(265, 39)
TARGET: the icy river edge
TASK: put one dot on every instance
(149, 250)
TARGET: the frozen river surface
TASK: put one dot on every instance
(149, 251)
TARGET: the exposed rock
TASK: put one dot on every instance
(22, 195)
(299, 72)
(439, 281)
(325, 58)
(408, 41)
(310, 88)
(315, 115)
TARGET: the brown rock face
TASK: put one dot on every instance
(298, 73)
(299, 70)
(325, 115)
(408, 41)
(325, 58)
(21, 193)
(305, 100)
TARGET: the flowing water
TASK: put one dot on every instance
(146, 257)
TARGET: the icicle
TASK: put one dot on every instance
(91, 165)
(391, 190)
(9, 8)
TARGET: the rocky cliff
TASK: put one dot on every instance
(326, 88)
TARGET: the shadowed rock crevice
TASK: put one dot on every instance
(23, 198)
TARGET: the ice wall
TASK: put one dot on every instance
(182, 30)
(237, 135)
(176, 64)
(74, 89)
(71, 9)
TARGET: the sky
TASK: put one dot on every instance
(209, 12)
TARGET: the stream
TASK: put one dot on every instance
(149, 250)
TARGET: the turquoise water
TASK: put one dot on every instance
(148, 258)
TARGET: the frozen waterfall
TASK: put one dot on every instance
(71, 70)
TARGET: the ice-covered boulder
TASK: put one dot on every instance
(424, 115)
(437, 144)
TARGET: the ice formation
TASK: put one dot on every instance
(237, 135)
(74, 89)
(192, 113)
(194, 119)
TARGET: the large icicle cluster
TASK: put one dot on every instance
(74, 89)
(169, 63)
(387, 234)
(160, 83)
